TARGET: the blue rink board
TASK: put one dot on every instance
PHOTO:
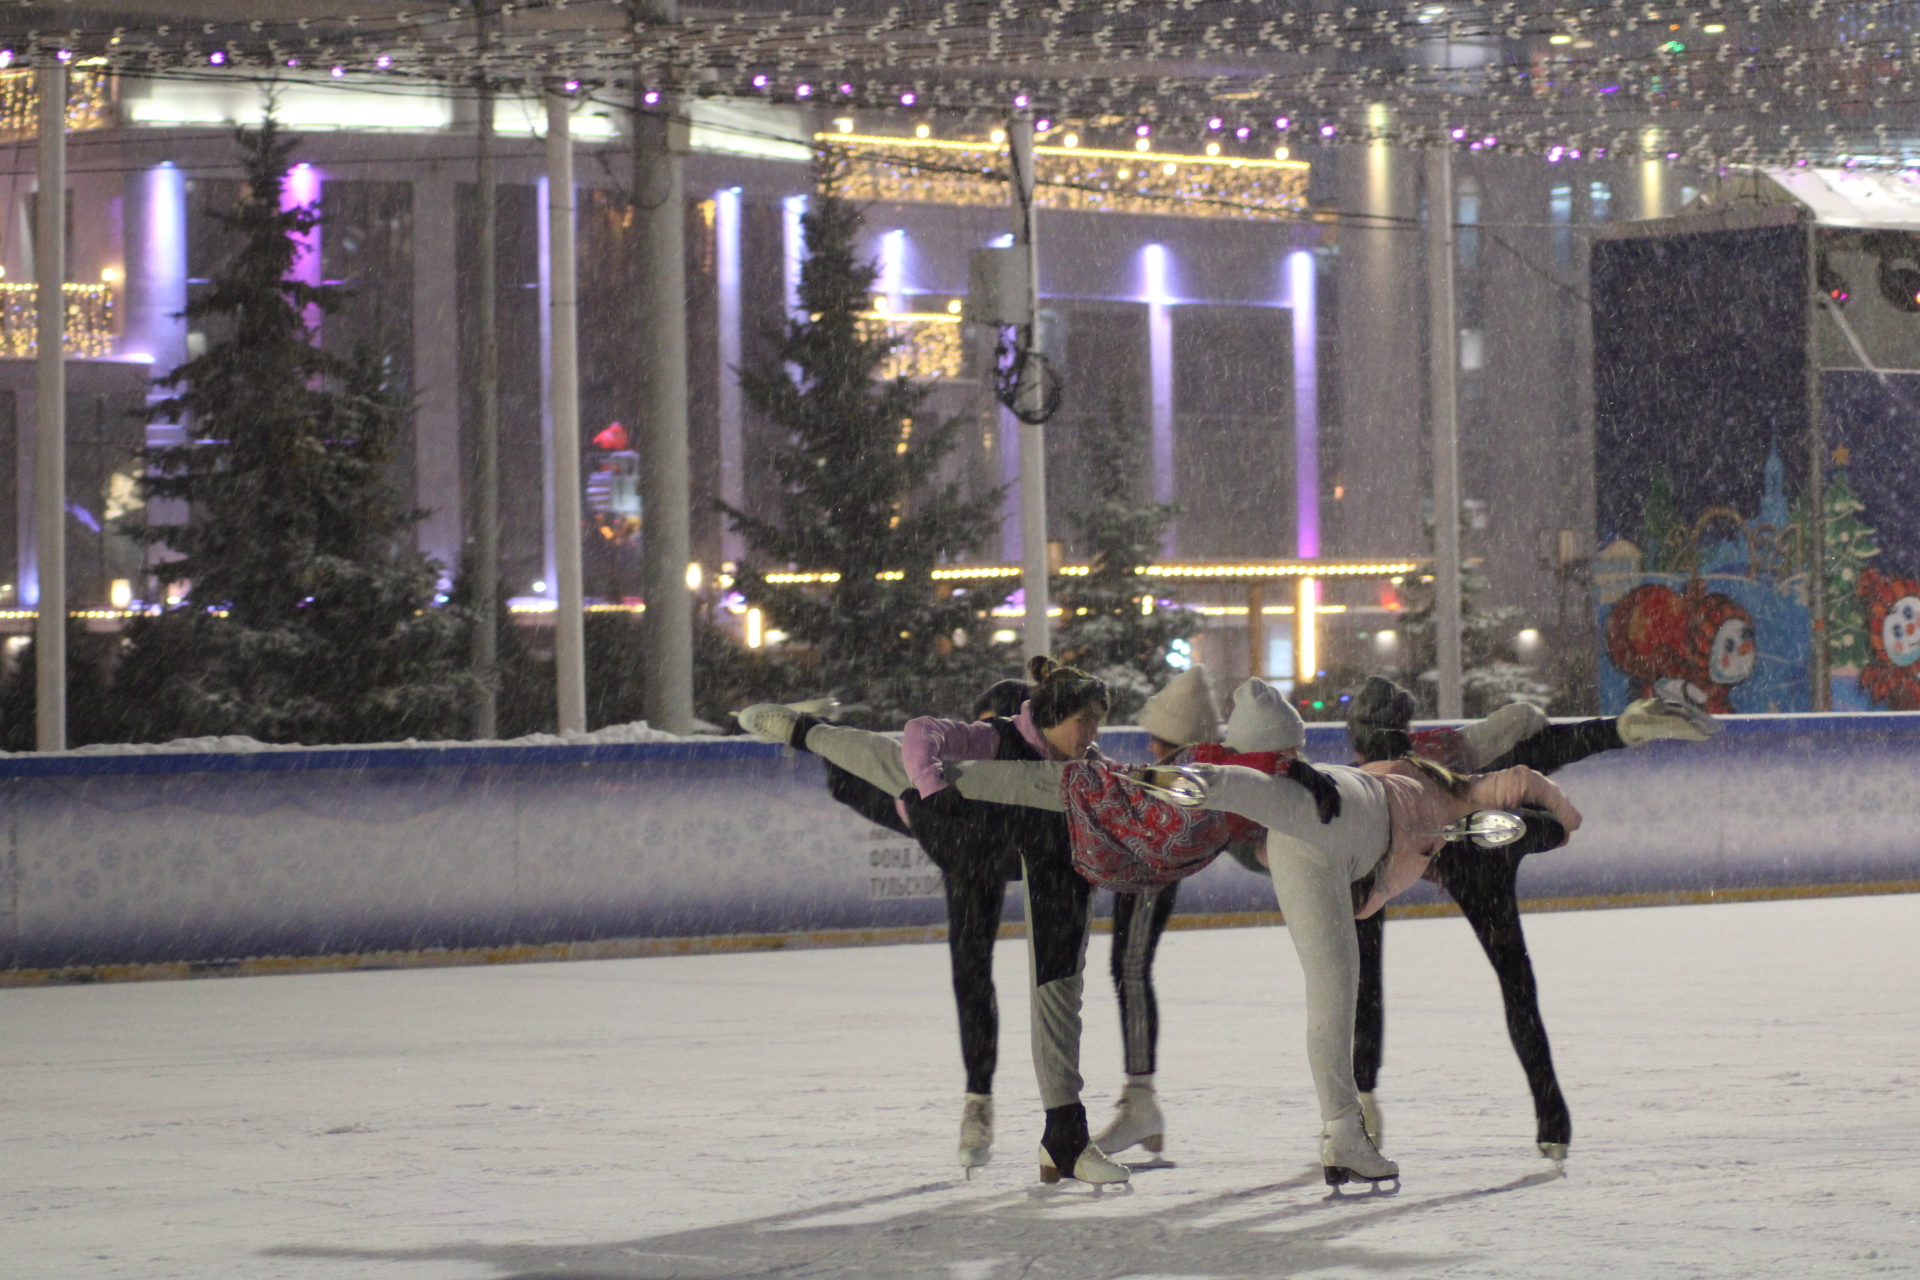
(173, 857)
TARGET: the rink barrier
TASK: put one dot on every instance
(728, 944)
(119, 867)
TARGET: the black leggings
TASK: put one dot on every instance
(1482, 882)
(974, 876)
(1138, 921)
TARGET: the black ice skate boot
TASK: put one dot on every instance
(1066, 1151)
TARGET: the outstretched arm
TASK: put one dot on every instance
(1512, 788)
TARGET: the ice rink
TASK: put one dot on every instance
(1745, 1084)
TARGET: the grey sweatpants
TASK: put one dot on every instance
(1313, 864)
(1058, 910)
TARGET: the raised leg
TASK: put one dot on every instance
(1482, 882)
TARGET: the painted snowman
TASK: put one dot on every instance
(1892, 673)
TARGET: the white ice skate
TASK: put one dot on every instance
(1136, 1121)
(976, 1132)
(1347, 1155)
(774, 721)
(1092, 1167)
(1372, 1118)
(1650, 718)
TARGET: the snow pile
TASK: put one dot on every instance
(238, 744)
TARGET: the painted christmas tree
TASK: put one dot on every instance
(1659, 519)
(1850, 543)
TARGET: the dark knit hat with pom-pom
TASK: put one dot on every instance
(1380, 719)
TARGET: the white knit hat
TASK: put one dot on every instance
(1263, 720)
(1184, 712)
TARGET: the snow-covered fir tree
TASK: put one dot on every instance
(1112, 623)
(1491, 674)
(307, 616)
(860, 495)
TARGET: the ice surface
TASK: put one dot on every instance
(1744, 1083)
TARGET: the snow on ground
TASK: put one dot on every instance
(1745, 1083)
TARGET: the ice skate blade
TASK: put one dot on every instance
(1338, 1177)
(1157, 1162)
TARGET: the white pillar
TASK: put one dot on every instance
(1036, 629)
(563, 407)
(660, 143)
(1443, 337)
(50, 416)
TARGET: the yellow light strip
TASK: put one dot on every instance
(904, 317)
(1222, 572)
(1000, 149)
(1240, 610)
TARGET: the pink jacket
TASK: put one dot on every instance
(1418, 807)
(929, 740)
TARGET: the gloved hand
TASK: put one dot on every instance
(1326, 796)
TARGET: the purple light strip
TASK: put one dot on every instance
(1306, 404)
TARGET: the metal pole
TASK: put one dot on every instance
(1036, 627)
(1817, 653)
(569, 638)
(1442, 331)
(659, 136)
(50, 417)
(486, 432)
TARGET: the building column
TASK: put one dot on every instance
(155, 238)
(1383, 408)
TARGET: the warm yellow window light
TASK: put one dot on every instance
(120, 594)
(695, 576)
(754, 636)
(109, 275)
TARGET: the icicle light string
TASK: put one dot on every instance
(1743, 97)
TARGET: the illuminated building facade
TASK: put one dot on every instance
(1266, 345)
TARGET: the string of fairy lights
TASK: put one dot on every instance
(1707, 82)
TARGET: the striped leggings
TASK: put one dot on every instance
(1138, 921)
